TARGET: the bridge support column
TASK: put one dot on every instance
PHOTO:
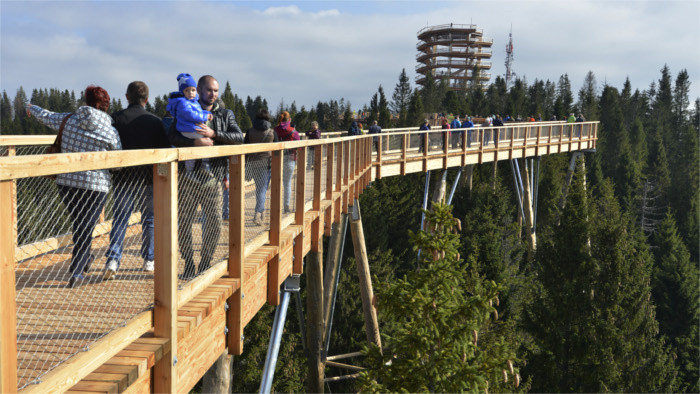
(332, 276)
(314, 322)
(528, 211)
(370, 312)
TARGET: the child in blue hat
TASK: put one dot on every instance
(185, 108)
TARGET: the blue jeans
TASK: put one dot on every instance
(124, 196)
(225, 212)
(84, 207)
(287, 175)
(262, 182)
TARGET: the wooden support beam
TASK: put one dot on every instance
(314, 321)
(529, 216)
(165, 276)
(8, 311)
(273, 279)
(358, 241)
(236, 247)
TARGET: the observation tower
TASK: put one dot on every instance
(459, 53)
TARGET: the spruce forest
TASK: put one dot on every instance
(607, 303)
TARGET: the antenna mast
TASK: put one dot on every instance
(509, 59)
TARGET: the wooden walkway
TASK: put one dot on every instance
(59, 330)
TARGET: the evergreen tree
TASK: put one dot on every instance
(402, 95)
(592, 320)
(681, 101)
(496, 96)
(536, 98)
(440, 342)
(564, 97)
(663, 99)
(416, 111)
(517, 97)
(19, 106)
(384, 116)
(588, 97)
(228, 98)
(638, 143)
(676, 295)
(5, 114)
(549, 99)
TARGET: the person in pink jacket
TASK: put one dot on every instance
(285, 132)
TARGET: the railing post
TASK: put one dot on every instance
(273, 280)
(537, 144)
(236, 247)
(379, 158)
(330, 169)
(346, 176)
(512, 142)
(8, 311)
(404, 153)
(12, 151)
(445, 147)
(549, 138)
(165, 276)
(297, 266)
(426, 146)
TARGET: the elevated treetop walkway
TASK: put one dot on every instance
(161, 331)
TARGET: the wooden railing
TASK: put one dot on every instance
(349, 165)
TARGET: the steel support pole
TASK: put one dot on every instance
(454, 186)
(516, 174)
(425, 207)
(274, 346)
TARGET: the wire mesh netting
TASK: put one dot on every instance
(435, 141)
(69, 236)
(202, 236)
(324, 168)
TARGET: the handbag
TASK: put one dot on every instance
(56, 146)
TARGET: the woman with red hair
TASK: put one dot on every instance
(84, 193)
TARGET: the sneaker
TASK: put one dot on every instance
(76, 281)
(258, 218)
(149, 266)
(111, 269)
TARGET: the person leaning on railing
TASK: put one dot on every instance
(84, 193)
(199, 186)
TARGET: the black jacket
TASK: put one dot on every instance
(138, 129)
(227, 133)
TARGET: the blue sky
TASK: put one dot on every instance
(306, 51)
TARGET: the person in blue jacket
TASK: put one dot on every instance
(185, 108)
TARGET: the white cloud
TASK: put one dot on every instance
(276, 11)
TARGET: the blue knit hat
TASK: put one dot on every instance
(185, 80)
